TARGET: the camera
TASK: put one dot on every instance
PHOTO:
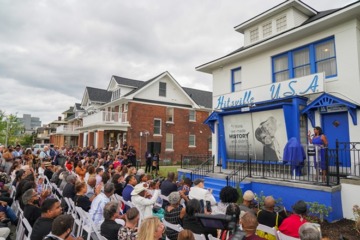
(221, 221)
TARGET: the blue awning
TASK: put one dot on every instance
(326, 100)
(210, 121)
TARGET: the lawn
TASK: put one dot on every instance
(165, 169)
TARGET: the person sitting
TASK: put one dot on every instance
(192, 223)
(118, 181)
(198, 192)
(50, 209)
(290, 226)
(91, 184)
(31, 203)
(186, 234)
(80, 199)
(228, 195)
(48, 172)
(247, 204)
(174, 213)
(99, 173)
(268, 216)
(309, 231)
(232, 210)
(80, 170)
(249, 224)
(139, 197)
(109, 228)
(130, 183)
(97, 205)
(168, 186)
(130, 229)
(61, 228)
(151, 228)
(69, 189)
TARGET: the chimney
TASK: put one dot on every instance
(59, 118)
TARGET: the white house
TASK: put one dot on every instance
(298, 68)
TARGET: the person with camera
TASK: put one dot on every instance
(203, 195)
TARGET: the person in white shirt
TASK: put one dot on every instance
(97, 206)
(140, 198)
(198, 192)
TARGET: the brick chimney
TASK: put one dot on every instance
(59, 118)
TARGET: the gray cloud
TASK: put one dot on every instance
(51, 50)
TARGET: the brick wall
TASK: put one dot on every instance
(141, 118)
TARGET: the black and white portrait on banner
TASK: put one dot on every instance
(270, 134)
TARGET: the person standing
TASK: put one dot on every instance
(319, 139)
(148, 157)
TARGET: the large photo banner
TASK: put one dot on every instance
(270, 134)
(239, 137)
(259, 136)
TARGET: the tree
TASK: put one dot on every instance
(11, 129)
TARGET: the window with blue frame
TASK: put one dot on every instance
(313, 58)
(236, 79)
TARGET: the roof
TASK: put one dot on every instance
(70, 110)
(98, 95)
(128, 81)
(78, 107)
(72, 116)
(202, 98)
(314, 18)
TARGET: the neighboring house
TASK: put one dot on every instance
(157, 115)
(66, 132)
(298, 68)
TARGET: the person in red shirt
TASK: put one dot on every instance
(290, 226)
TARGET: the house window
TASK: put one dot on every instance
(192, 140)
(157, 126)
(170, 115)
(281, 23)
(310, 59)
(169, 141)
(192, 115)
(254, 35)
(116, 94)
(236, 79)
(162, 89)
(210, 143)
(267, 29)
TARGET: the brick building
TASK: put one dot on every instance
(157, 115)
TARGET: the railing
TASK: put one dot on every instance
(103, 117)
(348, 156)
(201, 165)
(67, 128)
(238, 175)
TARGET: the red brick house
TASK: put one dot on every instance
(157, 115)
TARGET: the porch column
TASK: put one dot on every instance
(80, 139)
(90, 138)
(100, 138)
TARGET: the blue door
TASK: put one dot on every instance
(336, 126)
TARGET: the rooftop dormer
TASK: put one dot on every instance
(285, 16)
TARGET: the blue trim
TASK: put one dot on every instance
(233, 83)
(326, 100)
(211, 120)
(312, 58)
(222, 146)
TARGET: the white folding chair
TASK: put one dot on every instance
(175, 227)
(28, 229)
(87, 224)
(199, 236)
(282, 236)
(267, 230)
(23, 229)
(211, 237)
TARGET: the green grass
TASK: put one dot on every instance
(165, 169)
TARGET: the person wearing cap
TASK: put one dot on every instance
(248, 199)
(139, 197)
(198, 192)
(48, 170)
(290, 226)
(174, 213)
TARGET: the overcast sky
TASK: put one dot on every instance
(50, 50)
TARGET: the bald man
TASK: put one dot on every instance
(268, 216)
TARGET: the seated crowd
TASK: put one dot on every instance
(126, 203)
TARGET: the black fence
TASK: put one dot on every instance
(200, 165)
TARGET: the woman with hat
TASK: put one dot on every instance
(139, 197)
(290, 226)
(174, 213)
